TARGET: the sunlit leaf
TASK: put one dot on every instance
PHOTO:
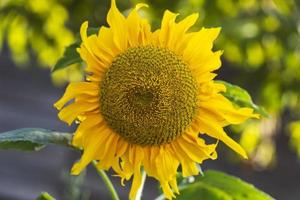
(216, 185)
(45, 196)
(32, 139)
(71, 56)
(241, 97)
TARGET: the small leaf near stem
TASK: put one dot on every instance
(107, 182)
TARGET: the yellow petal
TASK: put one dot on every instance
(136, 155)
(92, 143)
(210, 63)
(168, 193)
(149, 165)
(136, 183)
(174, 186)
(116, 166)
(167, 25)
(209, 90)
(95, 65)
(178, 33)
(109, 151)
(122, 147)
(91, 53)
(204, 77)
(89, 122)
(212, 129)
(83, 30)
(69, 113)
(194, 151)
(167, 165)
(201, 40)
(127, 167)
(75, 89)
(188, 166)
(118, 25)
(138, 29)
(107, 44)
(222, 107)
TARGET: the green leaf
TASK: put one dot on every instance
(216, 185)
(32, 139)
(241, 97)
(202, 191)
(71, 56)
(45, 196)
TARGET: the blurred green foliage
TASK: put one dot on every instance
(295, 135)
(39, 24)
(260, 38)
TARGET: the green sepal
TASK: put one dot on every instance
(32, 139)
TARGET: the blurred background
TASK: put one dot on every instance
(261, 42)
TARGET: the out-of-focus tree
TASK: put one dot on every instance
(39, 30)
(260, 38)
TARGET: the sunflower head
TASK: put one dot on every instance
(147, 99)
(148, 95)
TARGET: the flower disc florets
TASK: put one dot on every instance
(148, 95)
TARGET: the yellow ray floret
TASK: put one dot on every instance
(147, 99)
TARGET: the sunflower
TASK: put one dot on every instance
(147, 99)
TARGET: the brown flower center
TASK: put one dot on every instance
(148, 95)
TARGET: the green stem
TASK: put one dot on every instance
(140, 190)
(107, 182)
